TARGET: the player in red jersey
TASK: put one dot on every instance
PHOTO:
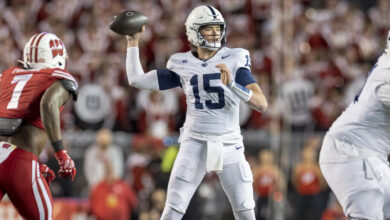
(30, 102)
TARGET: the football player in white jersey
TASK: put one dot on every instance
(214, 79)
(354, 152)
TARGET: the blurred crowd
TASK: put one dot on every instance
(334, 45)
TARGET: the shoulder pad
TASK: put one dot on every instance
(175, 59)
(70, 86)
(239, 51)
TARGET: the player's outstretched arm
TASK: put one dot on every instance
(135, 73)
(52, 100)
(252, 93)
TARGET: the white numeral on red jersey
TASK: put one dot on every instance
(21, 81)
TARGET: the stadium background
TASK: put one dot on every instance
(310, 57)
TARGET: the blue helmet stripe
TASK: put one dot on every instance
(212, 11)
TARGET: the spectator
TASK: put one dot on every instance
(112, 198)
(296, 95)
(268, 179)
(100, 154)
(308, 182)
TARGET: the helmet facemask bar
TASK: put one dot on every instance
(214, 45)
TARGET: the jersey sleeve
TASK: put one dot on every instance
(243, 59)
(383, 94)
(67, 81)
(167, 79)
(243, 72)
(244, 77)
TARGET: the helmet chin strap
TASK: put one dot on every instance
(211, 46)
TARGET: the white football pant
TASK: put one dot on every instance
(190, 168)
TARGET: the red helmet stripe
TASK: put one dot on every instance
(36, 47)
(32, 42)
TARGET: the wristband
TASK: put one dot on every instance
(242, 92)
(57, 145)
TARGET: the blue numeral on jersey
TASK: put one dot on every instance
(195, 90)
(248, 61)
(214, 89)
(209, 89)
(369, 73)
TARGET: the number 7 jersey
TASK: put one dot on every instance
(211, 106)
(21, 91)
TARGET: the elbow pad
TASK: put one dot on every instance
(71, 87)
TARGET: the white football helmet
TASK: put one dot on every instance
(202, 16)
(44, 50)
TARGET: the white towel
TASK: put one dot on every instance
(214, 156)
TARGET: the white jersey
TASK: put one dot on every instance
(365, 124)
(211, 106)
(296, 95)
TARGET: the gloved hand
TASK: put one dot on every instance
(47, 173)
(67, 168)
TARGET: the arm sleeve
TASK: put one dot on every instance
(135, 74)
(243, 59)
(161, 79)
(383, 94)
(244, 77)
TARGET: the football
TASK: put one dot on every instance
(128, 22)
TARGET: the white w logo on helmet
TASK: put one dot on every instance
(200, 17)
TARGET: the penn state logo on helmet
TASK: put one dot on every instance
(202, 16)
(44, 50)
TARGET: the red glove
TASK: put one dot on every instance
(47, 173)
(66, 164)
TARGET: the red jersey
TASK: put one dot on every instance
(21, 91)
(264, 183)
(308, 182)
(112, 201)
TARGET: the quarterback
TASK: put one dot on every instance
(30, 102)
(353, 157)
(214, 79)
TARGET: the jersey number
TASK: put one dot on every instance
(209, 89)
(20, 81)
(248, 61)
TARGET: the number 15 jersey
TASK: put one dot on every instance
(21, 91)
(211, 106)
